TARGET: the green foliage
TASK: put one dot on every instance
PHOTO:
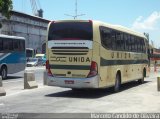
(5, 7)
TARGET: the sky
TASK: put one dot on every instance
(139, 15)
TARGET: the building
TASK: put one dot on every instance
(33, 28)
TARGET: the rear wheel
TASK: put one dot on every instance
(117, 83)
(4, 72)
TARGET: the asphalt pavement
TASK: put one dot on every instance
(133, 98)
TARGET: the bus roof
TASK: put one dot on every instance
(12, 37)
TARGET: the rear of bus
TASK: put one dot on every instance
(70, 60)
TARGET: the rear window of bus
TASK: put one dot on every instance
(71, 31)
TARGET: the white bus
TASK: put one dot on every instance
(12, 55)
(93, 54)
(30, 52)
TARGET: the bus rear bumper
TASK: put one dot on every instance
(92, 82)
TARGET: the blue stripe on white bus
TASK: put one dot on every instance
(10, 58)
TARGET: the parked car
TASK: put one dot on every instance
(43, 57)
(34, 62)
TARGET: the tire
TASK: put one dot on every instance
(117, 83)
(141, 81)
(4, 72)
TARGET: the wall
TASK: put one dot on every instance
(34, 29)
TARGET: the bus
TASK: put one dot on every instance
(42, 58)
(12, 55)
(30, 52)
(92, 54)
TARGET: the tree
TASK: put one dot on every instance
(5, 7)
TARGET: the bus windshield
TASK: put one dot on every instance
(71, 31)
(30, 52)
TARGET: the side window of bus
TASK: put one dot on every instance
(129, 43)
(139, 44)
(126, 42)
(21, 45)
(118, 40)
(136, 45)
(10, 43)
(120, 43)
(143, 48)
(106, 37)
(132, 43)
(7, 45)
(113, 40)
(15, 45)
(1, 45)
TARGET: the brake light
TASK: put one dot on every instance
(93, 70)
(90, 21)
(48, 69)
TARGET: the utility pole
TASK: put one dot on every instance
(76, 12)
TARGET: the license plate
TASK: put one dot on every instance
(69, 82)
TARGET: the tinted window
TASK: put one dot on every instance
(6, 44)
(113, 39)
(125, 40)
(122, 41)
(29, 53)
(117, 40)
(106, 35)
(15, 44)
(71, 31)
(138, 45)
(132, 43)
(10, 45)
(143, 49)
(129, 43)
(22, 45)
(1, 44)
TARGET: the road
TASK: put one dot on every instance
(134, 98)
(15, 82)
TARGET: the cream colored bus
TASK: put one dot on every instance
(93, 54)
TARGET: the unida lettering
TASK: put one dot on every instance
(79, 59)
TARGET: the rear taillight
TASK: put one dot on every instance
(48, 69)
(90, 21)
(93, 70)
